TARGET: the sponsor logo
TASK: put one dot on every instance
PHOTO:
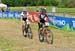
(57, 22)
(73, 23)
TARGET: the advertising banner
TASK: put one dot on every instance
(17, 14)
(72, 23)
(10, 14)
(62, 22)
(4, 14)
(34, 16)
(0, 14)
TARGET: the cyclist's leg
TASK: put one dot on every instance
(46, 27)
(40, 26)
(23, 24)
(28, 22)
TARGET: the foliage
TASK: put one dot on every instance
(57, 3)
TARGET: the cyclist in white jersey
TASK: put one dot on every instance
(24, 18)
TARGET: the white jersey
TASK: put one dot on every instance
(24, 15)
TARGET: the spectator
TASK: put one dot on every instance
(7, 9)
(37, 9)
(2, 10)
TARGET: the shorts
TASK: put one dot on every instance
(42, 22)
(24, 19)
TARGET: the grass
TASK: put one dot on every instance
(11, 38)
(68, 12)
(72, 10)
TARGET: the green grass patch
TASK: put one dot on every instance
(49, 9)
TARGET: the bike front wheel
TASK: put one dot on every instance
(30, 34)
(41, 36)
(49, 36)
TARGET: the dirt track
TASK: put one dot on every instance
(11, 38)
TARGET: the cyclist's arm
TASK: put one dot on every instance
(27, 14)
(21, 16)
(46, 18)
(29, 17)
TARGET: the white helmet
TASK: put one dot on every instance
(24, 9)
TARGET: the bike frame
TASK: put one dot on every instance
(44, 29)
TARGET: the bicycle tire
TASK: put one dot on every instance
(49, 37)
(30, 34)
(24, 33)
(41, 36)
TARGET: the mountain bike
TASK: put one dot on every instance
(46, 34)
(27, 31)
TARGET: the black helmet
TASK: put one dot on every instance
(43, 10)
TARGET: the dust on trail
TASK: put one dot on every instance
(11, 38)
